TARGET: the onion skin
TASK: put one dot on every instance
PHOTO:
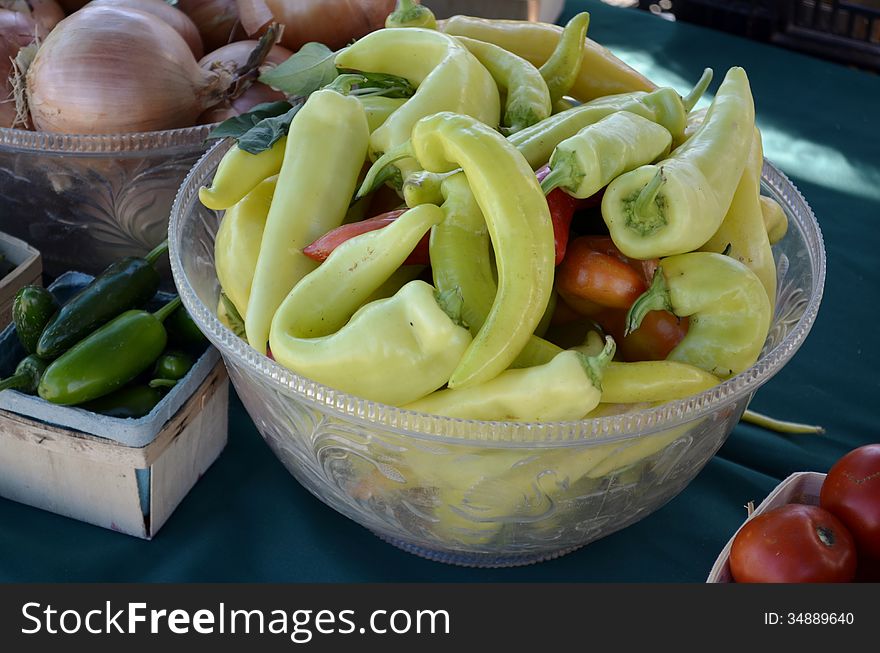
(232, 56)
(109, 70)
(335, 23)
(216, 20)
(46, 13)
(182, 23)
(19, 27)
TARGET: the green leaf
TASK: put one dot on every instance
(237, 126)
(311, 68)
(267, 132)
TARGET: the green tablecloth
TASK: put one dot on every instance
(248, 520)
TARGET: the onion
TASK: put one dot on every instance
(18, 27)
(46, 13)
(174, 17)
(334, 23)
(112, 69)
(70, 6)
(231, 57)
(216, 20)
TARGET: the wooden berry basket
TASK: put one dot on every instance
(801, 487)
(28, 270)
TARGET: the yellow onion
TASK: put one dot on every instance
(174, 17)
(112, 70)
(216, 20)
(17, 29)
(232, 57)
(45, 13)
(334, 23)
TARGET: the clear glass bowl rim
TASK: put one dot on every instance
(594, 431)
(61, 143)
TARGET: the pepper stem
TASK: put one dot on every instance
(690, 100)
(162, 383)
(168, 309)
(452, 304)
(655, 298)
(560, 175)
(779, 426)
(595, 366)
(156, 252)
(649, 193)
(379, 173)
(15, 382)
(344, 83)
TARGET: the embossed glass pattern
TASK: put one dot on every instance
(86, 201)
(489, 493)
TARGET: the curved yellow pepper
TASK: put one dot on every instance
(239, 172)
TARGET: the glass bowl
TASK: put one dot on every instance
(489, 493)
(85, 201)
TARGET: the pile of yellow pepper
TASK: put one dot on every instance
(506, 118)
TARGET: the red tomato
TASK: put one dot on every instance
(793, 544)
(587, 279)
(851, 491)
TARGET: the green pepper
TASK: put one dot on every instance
(324, 300)
(130, 402)
(32, 309)
(520, 230)
(585, 163)
(173, 365)
(239, 173)
(561, 70)
(742, 234)
(663, 106)
(108, 358)
(566, 388)
(392, 350)
(378, 109)
(447, 76)
(728, 308)
(124, 285)
(183, 331)
(527, 96)
(676, 205)
(238, 240)
(27, 375)
(408, 13)
(327, 145)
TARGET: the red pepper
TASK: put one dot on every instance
(562, 207)
(321, 248)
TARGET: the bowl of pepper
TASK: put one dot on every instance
(438, 409)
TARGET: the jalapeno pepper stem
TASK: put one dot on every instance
(167, 310)
(595, 366)
(779, 426)
(15, 382)
(655, 298)
(380, 171)
(690, 100)
(162, 383)
(563, 174)
(156, 252)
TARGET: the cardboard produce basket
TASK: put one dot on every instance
(127, 475)
(27, 268)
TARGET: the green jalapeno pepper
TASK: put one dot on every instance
(130, 402)
(527, 96)
(327, 145)
(32, 309)
(663, 106)
(124, 285)
(239, 173)
(601, 73)
(566, 388)
(561, 70)
(238, 241)
(173, 365)
(448, 77)
(675, 205)
(520, 230)
(324, 300)
(375, 354)
(27, 375)
(108, 358)
(585, 163)
(378, 108)
(742, 234)
(408, 13)
(727, 305)
(183, 331)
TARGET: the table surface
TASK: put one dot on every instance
(248, 519)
